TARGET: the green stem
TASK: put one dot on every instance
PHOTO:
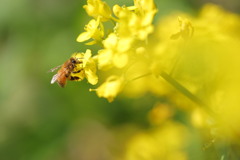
(114, 20)
(180, 88)
(184, 91)
(138, 77)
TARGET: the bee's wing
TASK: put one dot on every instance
(55, 68)
(54, 78)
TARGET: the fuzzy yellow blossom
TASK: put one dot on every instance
(86, 69)
(221, 24)
(186, 29)
(135, 21)
(94, 29)
(147, 10)
(199, 118)
(160, 113)
(145, 6)
(115, 52)
(110, 88)
(166, 142)
(98, 8)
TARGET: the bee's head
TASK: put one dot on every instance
(75, 60)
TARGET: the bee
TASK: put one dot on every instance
(64, 73)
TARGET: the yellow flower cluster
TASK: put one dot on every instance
(190, 61)
(123, 45)
(94, 30)
(195, 61)
(179, 49)
(167, 142)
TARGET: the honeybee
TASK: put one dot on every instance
(64, 73)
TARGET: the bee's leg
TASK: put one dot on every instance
(74, 78)
(79, 62)
(77, 71)
(67, 75)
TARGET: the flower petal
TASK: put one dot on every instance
(83, 37)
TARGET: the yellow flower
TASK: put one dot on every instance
(85, 69)
(94, 29)
(221, 23)
(105, 59)
(147, 10)
(117, 10)
(115, 52)
(120, 60)
(166, 142)
(98, 8)
(160, 113)
(111, 88)
(134, 22)
(145, 5)
(186, 29)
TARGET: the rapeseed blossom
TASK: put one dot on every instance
(186, 29)
(182, 55)
(191, 62)
(115, 52)
(98, 8)
(87, 69)
(110, 88)
(167, 142)
(94, 29)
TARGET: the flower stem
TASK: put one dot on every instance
(141, 76)
(138, 77)
(185, 91)
(114, 20)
